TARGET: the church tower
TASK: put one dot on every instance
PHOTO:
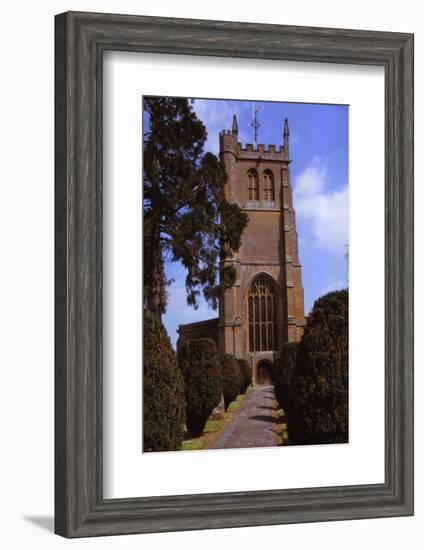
(265, 308)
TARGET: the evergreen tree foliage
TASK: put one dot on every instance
(246, 374)
(163, 390)
(186, 215)
(231, 378)
(199, 363)
(283, 375)
(318, 406)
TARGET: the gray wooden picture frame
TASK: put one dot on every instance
(80, 40)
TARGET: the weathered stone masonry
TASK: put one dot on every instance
(265, 307)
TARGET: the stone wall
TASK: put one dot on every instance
(269, 246)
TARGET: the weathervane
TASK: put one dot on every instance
(255, 125)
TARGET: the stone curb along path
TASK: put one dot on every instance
(255, 425)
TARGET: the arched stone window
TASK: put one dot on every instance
(253, 185)
(262, 305)
(268, 186)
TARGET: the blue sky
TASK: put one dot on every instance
(319, 177)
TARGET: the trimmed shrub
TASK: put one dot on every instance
(246, 374)
(199, 364)
(318, 406)
(231, 378)
(283, 373)
(163, 390)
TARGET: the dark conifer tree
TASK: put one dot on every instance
(318, 398)
(186, 215)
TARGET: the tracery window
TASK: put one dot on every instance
(253, 185)
(268, 186)
(262, 305)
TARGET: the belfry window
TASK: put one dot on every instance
(253, 185)
(268, 186)
(262, 304)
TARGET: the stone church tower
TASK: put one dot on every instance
(265, 307)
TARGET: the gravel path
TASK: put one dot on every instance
(255, 425)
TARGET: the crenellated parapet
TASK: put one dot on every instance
(269, 153)
(229, 144)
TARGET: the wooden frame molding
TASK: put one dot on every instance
(81, 39)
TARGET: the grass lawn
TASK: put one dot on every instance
(213, 426)
(282, 427)
(193, 444)
(236, 404)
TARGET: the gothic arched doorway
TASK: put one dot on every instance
(264, 373)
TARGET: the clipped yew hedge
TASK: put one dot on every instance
(163, 390)
(318, 408)
(283, 375)
(231, 378)
(246, 374)
(199, 363)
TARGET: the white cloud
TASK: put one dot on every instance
(217, 115)
(326, 210)
(310, 182)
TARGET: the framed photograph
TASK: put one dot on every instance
(234, 274)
